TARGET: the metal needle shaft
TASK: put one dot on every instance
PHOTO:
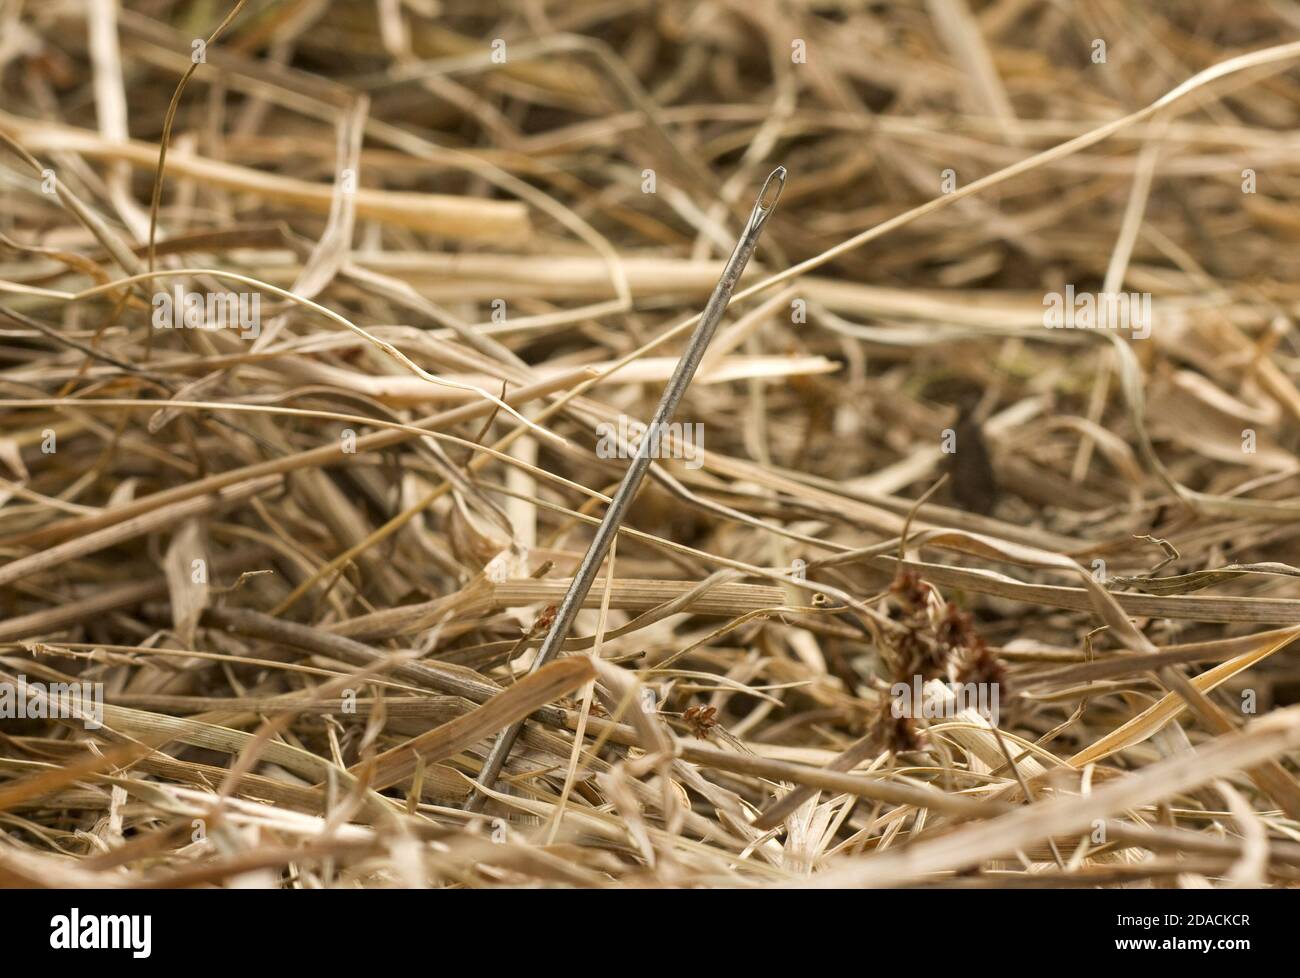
(677, 384)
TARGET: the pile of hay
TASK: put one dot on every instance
(306, 422)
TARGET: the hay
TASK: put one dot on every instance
(306, 558)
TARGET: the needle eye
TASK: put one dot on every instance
(771, 191)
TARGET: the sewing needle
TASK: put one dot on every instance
(622, 498)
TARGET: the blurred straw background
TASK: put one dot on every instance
(309, 554)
